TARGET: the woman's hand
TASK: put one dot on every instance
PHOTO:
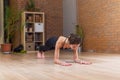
(62, 63)
(82, 62)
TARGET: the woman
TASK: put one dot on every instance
(73, 42)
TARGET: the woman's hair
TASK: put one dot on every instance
(74, 39)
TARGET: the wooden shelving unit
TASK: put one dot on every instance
(33, 32)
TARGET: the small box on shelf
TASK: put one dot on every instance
(39, 27)
(30, 46)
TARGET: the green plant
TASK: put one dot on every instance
(30, 6)
(21, 52)
(11, 20)
(79, 31)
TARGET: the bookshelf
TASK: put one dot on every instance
(33, 32)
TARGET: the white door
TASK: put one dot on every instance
(69, 17)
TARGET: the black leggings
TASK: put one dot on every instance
(49, 45)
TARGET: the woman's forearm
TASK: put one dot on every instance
(75, 57)
(56, 54)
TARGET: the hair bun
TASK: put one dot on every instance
(74, 39)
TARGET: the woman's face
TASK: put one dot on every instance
(74, 46)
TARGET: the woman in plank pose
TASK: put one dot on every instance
(73, 42)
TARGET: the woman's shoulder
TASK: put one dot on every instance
(62, 37)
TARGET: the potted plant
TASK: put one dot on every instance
(79, 31)
(11, 18)
(30, 6)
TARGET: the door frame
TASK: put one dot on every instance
(2, 21)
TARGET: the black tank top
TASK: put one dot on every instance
(64, 43)
(51, 42)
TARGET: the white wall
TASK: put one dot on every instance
(69, 16)
(1, 21)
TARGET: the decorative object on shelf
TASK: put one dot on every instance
(37, 18)
(29, 37)
(30, 30)
(30, 18)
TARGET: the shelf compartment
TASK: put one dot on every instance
(38, 37)
(29, 18)
(29, 27)
(38, 18)
(29, 37)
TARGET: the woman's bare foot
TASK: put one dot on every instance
(39, 56)
(62, 63)
(43, 55)
(83, 62)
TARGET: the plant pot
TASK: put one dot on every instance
(80, 49)
(6, 48)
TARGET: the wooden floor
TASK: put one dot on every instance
(27, 67)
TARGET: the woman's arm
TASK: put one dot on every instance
(57, 52)
(75, 53)
(77, 60)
